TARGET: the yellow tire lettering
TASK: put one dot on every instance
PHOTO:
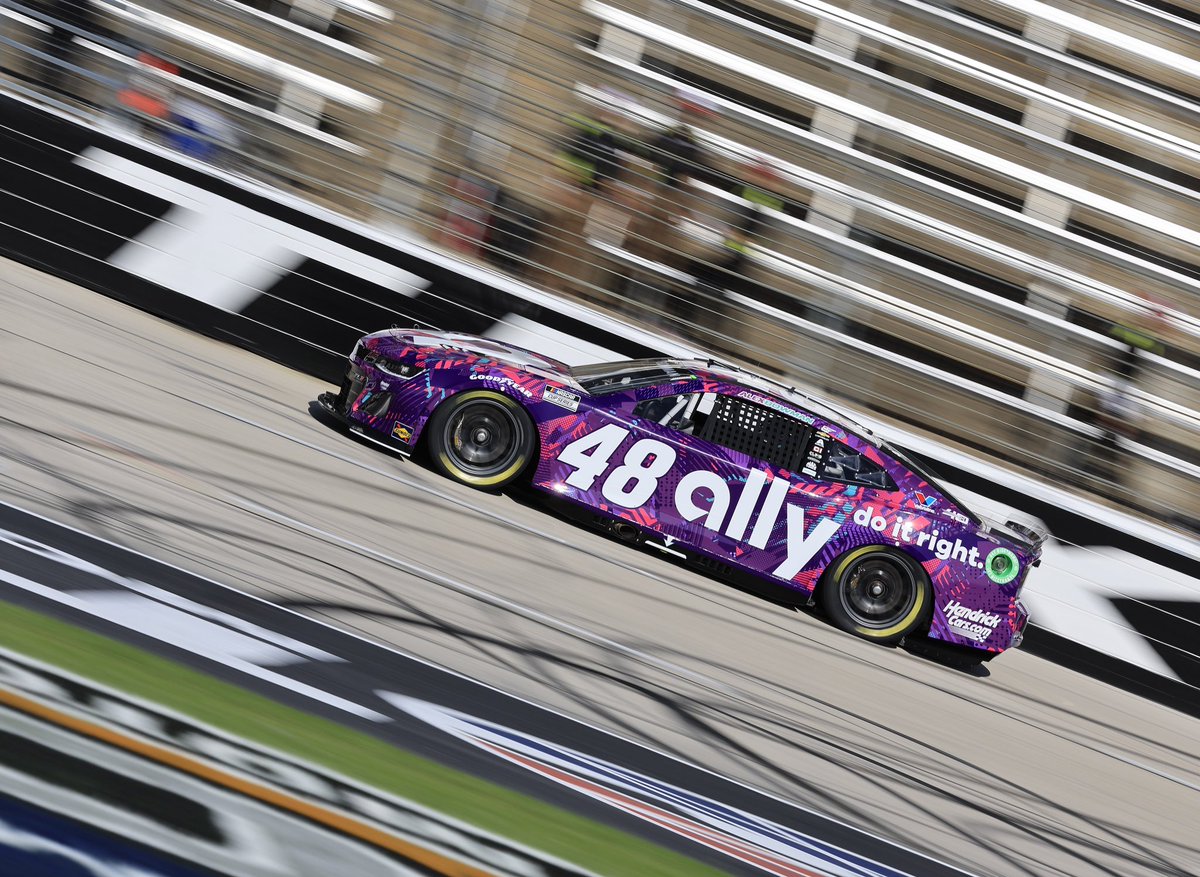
(475, 480)
(876, 633)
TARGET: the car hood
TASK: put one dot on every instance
(497, 351)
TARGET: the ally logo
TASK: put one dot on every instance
(769, 846)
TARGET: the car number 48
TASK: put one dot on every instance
(630, 484)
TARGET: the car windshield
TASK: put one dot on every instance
(928, 475)
(610, 377)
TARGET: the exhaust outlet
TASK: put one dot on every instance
(625, 531)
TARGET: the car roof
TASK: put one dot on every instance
(782, 392)
(663, 371)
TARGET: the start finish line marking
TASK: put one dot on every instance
(159, 614)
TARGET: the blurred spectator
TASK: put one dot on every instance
(1139, 337)
(513, 233)
(145, 101)
(153, 106)
(655, 231)
(585, 198)
(1118, 415)
(727, 269)
(199, 131)
(677, 151)
(589, 154)
(469, 210)
(68, 19)
(748, 222)
(678, 157)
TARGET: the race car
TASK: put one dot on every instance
(711, 464)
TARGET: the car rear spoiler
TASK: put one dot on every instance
(1031, 535)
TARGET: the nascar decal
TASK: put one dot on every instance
(561, 398)
(700, 494)
(767, 845)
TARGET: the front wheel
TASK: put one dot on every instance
(481, 439)
(877, 593)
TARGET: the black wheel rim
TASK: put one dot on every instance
(879, 592)
(482, 438)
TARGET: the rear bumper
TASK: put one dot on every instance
(1019, 625)
(986, 632)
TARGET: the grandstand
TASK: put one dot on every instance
(987, 220)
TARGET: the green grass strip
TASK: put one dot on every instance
(356, 755)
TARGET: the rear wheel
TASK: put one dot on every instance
(481, 439)
(877, 593)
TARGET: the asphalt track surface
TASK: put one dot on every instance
(410, 703)
(208, 457)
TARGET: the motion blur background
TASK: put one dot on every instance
(974, 223)
(977, 218)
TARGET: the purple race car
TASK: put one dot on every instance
(712, 464)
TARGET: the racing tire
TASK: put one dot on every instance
(481, 439)
(877, 593)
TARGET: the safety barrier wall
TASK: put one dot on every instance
(272, 273)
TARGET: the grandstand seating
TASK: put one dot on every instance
(983, 197)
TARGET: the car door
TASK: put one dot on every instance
(714, 471)
(761, 485)
(730, 481)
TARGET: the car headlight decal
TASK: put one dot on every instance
(396, 368)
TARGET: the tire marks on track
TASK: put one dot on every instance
(753, 719)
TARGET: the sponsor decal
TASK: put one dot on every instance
(769, 846)
(924, 501)
(974, 624)
(748, 512)
(1002, 566)
(402, 432)
(816, 453)
(504, 382)
(957, 517)
(699, 494)
(943, 549)
(561, 398)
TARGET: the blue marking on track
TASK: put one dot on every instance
(38, 843)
